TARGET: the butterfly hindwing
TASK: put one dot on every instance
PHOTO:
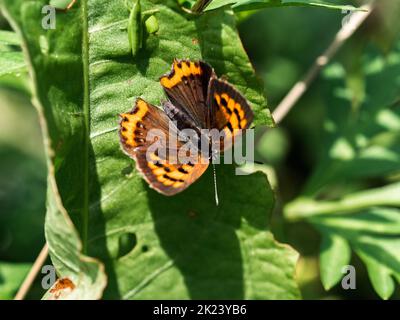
(166, 177)
(186, 87)
(162, 174)
(230, 111)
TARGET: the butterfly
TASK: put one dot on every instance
(197, 99)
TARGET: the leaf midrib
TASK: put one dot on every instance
(86, 112)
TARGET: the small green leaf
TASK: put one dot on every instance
(379, 274)
(384, 221)
(334, 254)
(382, 258)
(151, 24)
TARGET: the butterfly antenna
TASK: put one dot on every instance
(215, 185)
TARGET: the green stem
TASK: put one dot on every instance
(150, 12)
(303, 208)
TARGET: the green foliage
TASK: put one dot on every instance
(22, 191)
(151, 245)
(55, 86)
(335, 253)
(22, 180)
(9, 38)
(151, 24)
(11, 58)
(242, 5)
(11, 277)
(374, 236)
(114, 237)
(362, 142)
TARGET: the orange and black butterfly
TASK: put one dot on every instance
(198, 100)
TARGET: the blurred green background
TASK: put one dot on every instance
(342, 137)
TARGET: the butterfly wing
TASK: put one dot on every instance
(230, 111)
(136, 140)
(186, 87)
(136, 124)
(167, 178)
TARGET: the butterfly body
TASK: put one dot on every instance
(198, 102)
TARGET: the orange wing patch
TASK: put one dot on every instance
(168, 178)
(180, 69)
(131, 126)
(230, 112)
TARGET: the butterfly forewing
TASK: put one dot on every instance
(186, 87)
(230, 111)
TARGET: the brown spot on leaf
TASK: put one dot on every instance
(62, 285)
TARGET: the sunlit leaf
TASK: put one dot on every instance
(373, 235)
(335, 254)
(152, 246)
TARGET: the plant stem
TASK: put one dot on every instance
(303, 208)
(355, 21)
(37, 265)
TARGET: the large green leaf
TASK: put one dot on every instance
(55, 68)
(152, 246)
